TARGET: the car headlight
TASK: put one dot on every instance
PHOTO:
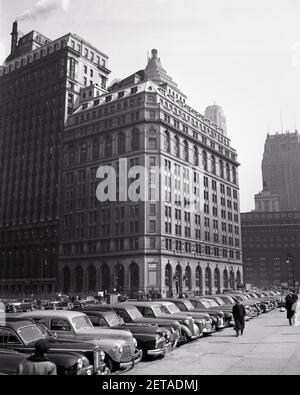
(168, 335)
(119, 349)
(82, 362)
(187, 322)
(157, 339)
(135, 342)
(102, 355)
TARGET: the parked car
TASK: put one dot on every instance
(153, 341)
(211, 304)
(189, 330)
(216, 312)
(119, 346)
(214, 319)
(59, 303)
(70, 357)
(226, 303)
(85, 302)
(21, 305)
(9, 361)
(131, 315)
(202, 320)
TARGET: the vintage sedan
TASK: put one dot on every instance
(120, 347)
(85, 302)
(202, 303)
(9, 361)
(153, 341)
(59, 303)
(70, 357)
(20, 305)
(131, 315)
(226, 302)
(213, 319)
(189, 330)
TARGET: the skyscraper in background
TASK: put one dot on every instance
(40, 84)
(280, 173)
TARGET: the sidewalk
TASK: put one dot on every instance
(269, 347)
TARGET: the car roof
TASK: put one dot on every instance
(16, 324)
(51, 314)
(143, 304)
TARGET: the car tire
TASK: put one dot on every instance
(109, 363)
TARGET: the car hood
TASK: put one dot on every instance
(180, 316)
(141, 328)
(160, 321)
(70, 345)
(105, 333)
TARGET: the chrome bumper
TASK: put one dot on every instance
(135, 360)
(160, 351)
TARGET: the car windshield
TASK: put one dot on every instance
(228, 299)
(213, 303)
(134, 313)
(113, 320)
(82, 322)
(158, 311)
(188, 305)
(45, 331)
(205, 303)
(30, 333)
(172, 308)
(220, 301)
(239, 297)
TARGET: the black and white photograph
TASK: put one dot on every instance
(149, 190)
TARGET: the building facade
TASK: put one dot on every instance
(268, 241)
(281, 173)
(185, 234)
(40, 84)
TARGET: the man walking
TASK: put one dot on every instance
(239, 313)
(38, 364)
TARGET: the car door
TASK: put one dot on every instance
(8, 339)
(61, 327)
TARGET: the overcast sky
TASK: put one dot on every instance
(244, 55)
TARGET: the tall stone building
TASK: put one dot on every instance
(185, 236)
(40, 85)
(281, 174)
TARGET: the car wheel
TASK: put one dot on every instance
(109, 363)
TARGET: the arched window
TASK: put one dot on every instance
(208, 285)
(108, 146)
(196, 156)
(177, 147)
(186, 151)
(105, 276)
(221, 168)
(95, 149)
(167, 142)
(227, 171)
(238, 278)
(121, 143)
(198, 276)
(188, 277)
(213, 164)
(119, 278)
(217, 279)
(91, 277)
(204, 159)
(231, 279)
(78, 279)
(135, 140)
(225, 279)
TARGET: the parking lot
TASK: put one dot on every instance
(269, 347)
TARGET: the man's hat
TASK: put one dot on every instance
(42, 346)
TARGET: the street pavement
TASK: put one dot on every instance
(269, 346)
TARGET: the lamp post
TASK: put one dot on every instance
(43, 263)
(290, 259)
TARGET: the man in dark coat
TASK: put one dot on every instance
(239, 314)
(288, 305)
(38, 364)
